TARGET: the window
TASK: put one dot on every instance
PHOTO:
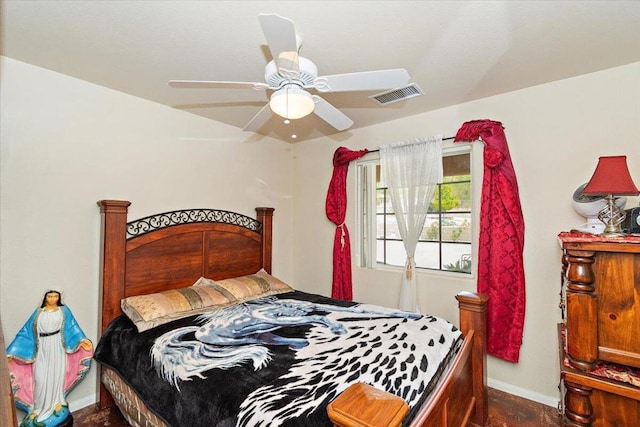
(446, 242)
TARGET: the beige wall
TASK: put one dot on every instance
(555, 132)
(66, 143)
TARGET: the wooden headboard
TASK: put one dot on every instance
(173, 249)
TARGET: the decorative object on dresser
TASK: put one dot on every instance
(589, 207)
(598, 344)
(631, 222)
(160, 257)
(611, 178)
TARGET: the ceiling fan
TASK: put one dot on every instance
(291, 76)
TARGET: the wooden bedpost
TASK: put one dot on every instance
(114, 232)
(112, 269)
(265, 216)
(473, 316)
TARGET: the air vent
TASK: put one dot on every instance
(396, 95)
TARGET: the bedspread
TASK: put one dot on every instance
(278, 360)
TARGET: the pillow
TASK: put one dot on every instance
(254, 286)
(149, 311)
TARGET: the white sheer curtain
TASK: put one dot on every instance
(411, 171)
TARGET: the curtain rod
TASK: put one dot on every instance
(444, 139)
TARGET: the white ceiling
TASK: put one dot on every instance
(456, 51)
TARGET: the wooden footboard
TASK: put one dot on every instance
(461, 398)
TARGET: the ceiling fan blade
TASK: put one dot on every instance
(331, 114)
(263, 116)
(283, 42)
(198, 84)
(367, 80)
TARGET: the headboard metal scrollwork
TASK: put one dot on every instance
(190, 216)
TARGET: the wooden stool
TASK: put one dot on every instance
(362, 405)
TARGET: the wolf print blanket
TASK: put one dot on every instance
(277, 361)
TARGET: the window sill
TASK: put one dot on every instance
(424, 272)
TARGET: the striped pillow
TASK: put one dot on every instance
(149, 311)
(253, 286)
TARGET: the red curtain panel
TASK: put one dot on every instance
(501, 241)
(336, 207)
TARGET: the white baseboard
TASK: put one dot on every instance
(527, 394)
(83, 403)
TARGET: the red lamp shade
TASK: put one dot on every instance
(611, 177)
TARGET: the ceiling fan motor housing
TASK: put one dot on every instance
(305, 78)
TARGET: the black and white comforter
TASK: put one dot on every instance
(278, 360)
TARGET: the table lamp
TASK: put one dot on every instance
(611, 178)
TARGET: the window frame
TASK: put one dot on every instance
(365, 253)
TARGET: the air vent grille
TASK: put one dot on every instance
(396, 95)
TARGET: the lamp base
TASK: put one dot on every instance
(612, 216)
(614, 234)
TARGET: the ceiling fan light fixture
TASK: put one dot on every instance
(292, 102)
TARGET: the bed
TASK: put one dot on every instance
(197, 250)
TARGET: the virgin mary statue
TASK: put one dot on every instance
(48, 357)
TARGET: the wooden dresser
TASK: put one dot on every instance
(601, 285)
